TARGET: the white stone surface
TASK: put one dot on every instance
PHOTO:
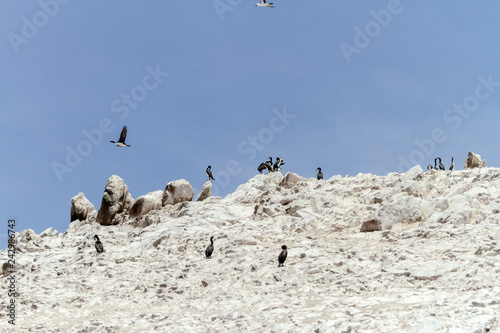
(81, 207)
(116, 201)
(177, 191)
(205, 192)
(433, 267)
(146, 203)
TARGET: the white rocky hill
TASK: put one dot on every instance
(432, 263)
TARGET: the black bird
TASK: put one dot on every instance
(279, 162)
(441, 165)
(282, 256)
(269, 165)
(429, 167)
(208, 170)
(452, 166)
(98, 244)
(266, 165)
(320, 174)
(123, 136)
(210, 249)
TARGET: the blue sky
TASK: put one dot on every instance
(243, 83)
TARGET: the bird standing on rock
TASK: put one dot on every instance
(266, 165)
(441, 165)
(210, 249)
(320, 174)
(282, 256)
(452, 166)
(262, 167)
(277, 165)
(98, 244)
(208, 171)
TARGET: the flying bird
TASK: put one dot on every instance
(320, 174)
(98, 244)
(208, 170)
(123, 136)
(263, 3)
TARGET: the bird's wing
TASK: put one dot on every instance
(123, 135)
(262, 1)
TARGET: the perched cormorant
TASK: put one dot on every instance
(279, 162)
(441, 165)
(282, 256)
(452, 166)
(208, 170)
(320, 174)
(123, 136)
(435, 163)
(266, 165)
(429, 167)
(269, 165)
(210, 249)
(98, 244)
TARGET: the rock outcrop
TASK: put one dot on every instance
(116, 201)
(474, 161)
(412, 252)
(206, 191)
(291, 179)
(177, 191)
(80, 207)
(146, 203)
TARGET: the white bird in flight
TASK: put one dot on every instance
(263, 3)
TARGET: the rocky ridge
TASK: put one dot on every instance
(431, 264)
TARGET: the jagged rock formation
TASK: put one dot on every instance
(430, 264)
(177, 191)
(474, 161)
(81, 208)
(146, 203)
(206, 191)
(116, 201)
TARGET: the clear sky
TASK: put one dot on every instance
(349, 86)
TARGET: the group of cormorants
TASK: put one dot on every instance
(441, 165)
(208, 252)
(276, 166)
(270, 166)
